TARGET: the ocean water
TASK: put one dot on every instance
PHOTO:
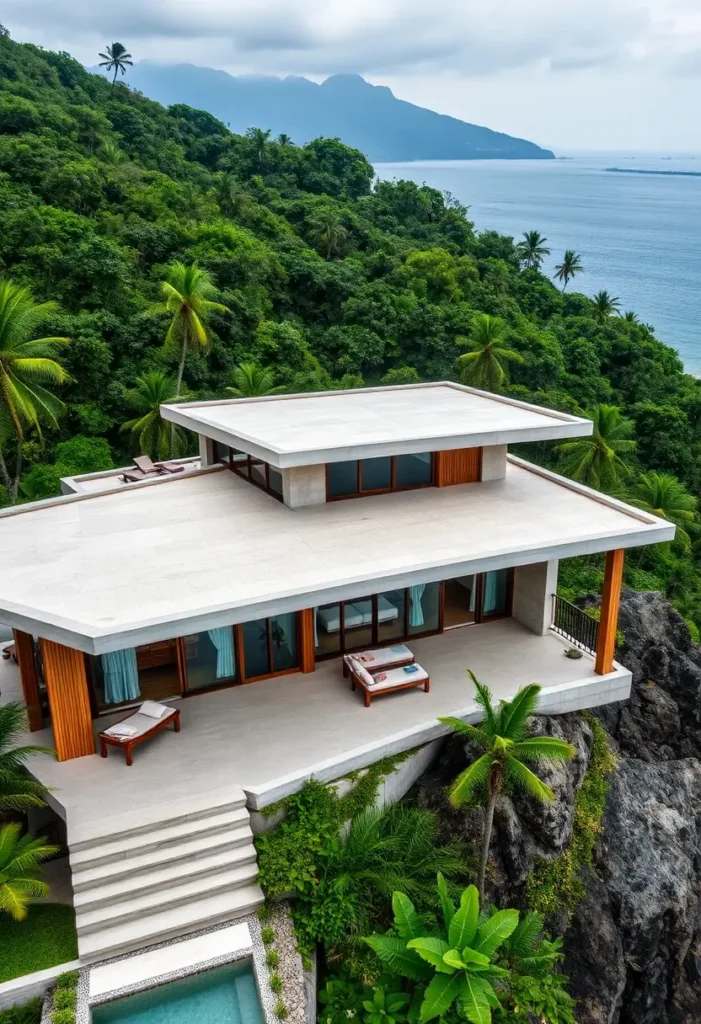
(639, 236)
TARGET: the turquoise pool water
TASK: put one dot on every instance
(224, 995)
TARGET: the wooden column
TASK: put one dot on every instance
(307, 657)
(610, 600)
(67, 688)
(24, 649)
(459, 466)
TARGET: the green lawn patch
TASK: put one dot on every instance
(45, 938)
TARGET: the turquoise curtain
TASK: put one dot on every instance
(223, 640)
(495, 588)
(121, 676)
(416, 612)
(316, 628)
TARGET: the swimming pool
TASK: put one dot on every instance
(221, 995)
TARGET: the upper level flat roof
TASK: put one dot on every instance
(335, 426)
(166, 558)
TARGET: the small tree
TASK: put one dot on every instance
(253, 381)
(486, 365)
(502, 736)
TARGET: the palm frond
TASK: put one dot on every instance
(523, 778)
(543, 748)
(471, 782)
(515, 713)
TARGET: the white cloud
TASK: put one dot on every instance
(497, 56)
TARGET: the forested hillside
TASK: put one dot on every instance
(323, 277)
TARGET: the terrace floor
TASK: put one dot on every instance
(269, 737)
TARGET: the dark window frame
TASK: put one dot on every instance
(393, 487)
(244, 469)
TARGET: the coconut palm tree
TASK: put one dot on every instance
(605, 305)
(532, 249)
(111, 154)
(486, 365)
(630, 317)
(284, 140)
(328, 232)
(253, 381)
(20, 860)
(187, 292)
(152, 434)
(26, 366)
(663, 495)
(116, 58)
(599, 460)
(507, 747)
(570, 266)
(259, 141)
(18, 790)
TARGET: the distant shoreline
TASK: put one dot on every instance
(672, 174)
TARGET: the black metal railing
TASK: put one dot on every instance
(574, 624)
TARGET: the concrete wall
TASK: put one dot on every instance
(494, 462)
(30, 986)
(534, 586)
(304, 485)
(206, 451)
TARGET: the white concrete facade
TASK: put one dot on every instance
(534, 586)
(494, 462)
(336, 426)
(303, 486)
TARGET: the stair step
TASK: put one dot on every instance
(128, 845)
(189, 891)
(161, 878)
(191, 851)
(173, 922)
(145, 820)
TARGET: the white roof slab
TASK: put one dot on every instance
(157, 560)
(336, 426)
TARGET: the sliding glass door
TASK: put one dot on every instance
(379, 619)
(269, 646)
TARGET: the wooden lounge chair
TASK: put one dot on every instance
(148, 467)
(387, 682)
(381, 659)
(141, 727)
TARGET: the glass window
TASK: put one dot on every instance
(413, 470)
(424, 602)
(255, 648)
(342, 478)
(238, 456)
(327, 635)
(390, 615)
(460, 601)
(258, 473)
(220, 452)
(376, 474)
(357, 622)
(275, 480)
(495, 593)
(210, 658)
(283, 634)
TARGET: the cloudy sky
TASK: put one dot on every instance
(569, 74)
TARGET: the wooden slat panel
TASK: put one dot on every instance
(67, 688)
(460, 466)
(306, 640)
(24, 647)
(610, 600)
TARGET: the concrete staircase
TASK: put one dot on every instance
(162, 874)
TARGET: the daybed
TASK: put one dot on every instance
(387, 682)
(137, 728)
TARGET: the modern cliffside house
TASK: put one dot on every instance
(316, 525)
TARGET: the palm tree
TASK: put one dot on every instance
(187, 291)
(486, 365)
(571, 265)
(117, 58)
(598, 460)
(631, 317)
(284, 140)
(259, 140)
(605, 305)
(20, 859)
(253, 381)
(502, 735)
(18, 790)
(328, 231)
(153, 435)
(110, 153)
(663, 495)
(26, 365)
(532, 249)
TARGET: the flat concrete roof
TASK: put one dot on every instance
(336, 426)
(163, 559)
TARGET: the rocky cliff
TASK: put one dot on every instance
(633, 943)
